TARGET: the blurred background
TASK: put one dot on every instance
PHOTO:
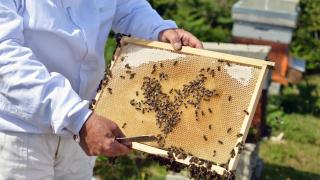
(284, 140)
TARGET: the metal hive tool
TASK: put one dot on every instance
(223, 119)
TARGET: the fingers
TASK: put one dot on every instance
(195, 43)
(171, 36)
(118, 133)
(115, 149)
(179, 37)
(188, 39)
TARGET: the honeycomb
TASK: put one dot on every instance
(211, 135)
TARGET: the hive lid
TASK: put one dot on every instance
(197, 100)
(273, 12)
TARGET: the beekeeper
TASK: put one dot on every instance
(51, 62)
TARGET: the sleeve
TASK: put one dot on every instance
(28, 92)
(137, 18)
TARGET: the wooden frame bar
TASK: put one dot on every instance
(163, 153)
(200, 52)
(251, 109)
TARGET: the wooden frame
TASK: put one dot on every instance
(200, 52)
(263, 65)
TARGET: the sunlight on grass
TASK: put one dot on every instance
(295, 113)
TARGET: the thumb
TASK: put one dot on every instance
(172, 37)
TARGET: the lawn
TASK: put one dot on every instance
(295, 113)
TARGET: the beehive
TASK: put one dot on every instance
(221, 121)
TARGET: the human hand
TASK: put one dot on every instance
(179, 37)
(97, 137)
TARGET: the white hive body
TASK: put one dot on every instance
(210, 99)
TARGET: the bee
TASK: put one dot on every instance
(212, 73)
(232, 153)
(245, 111)
(228, 64)
(210, 110)
(214, 153)
(108, 73)
(122, 77)
(175, 63)
(122, 58)
(209, 165)
(93, 101)
(229, 98)
(90, 106)
(109, 90)
(239, 135)
(208, 69)
(137, 93)
(205, 138)
(220, 142)
(124, 125)
(202, 113)
(161, 65)
(229, 130)
(185, 105)
(132, 75)
(191, 160)
(219, 68)
(202, 69)
(127, 66)
(128, 72)
(210, 126)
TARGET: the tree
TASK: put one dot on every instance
(306, 42)
(209, 21)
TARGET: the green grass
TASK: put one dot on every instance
(295, 113)
(131, 167)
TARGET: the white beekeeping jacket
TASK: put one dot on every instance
(52, 57)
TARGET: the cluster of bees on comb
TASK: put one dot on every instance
(168, 110)
(198, 168)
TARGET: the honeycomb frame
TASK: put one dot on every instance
(263, 67)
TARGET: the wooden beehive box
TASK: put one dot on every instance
(208, 97)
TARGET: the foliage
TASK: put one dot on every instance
(109, 49)
(134, 166)
(209, 21)
(306, 40)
